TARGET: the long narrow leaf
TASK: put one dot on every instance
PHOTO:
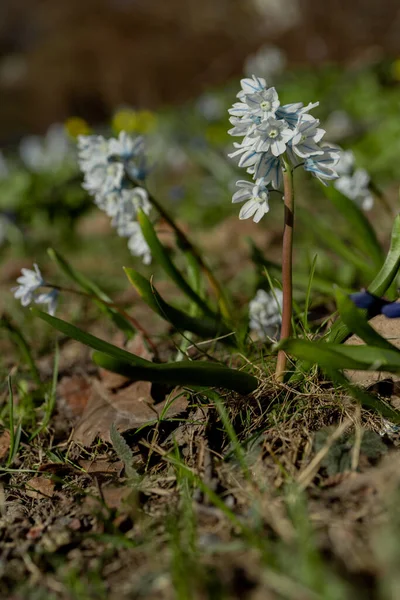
(361, 228)
(330, 239)
(204, 326)
(181, 373)
(162, 257)
(88, 286)
(88, 339)
(339, 356)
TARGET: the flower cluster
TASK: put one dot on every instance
(28, 287)
(109, 166)
(47, 153)
(272, 136)
(265, 312)
(353, 183)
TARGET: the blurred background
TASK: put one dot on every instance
(85, 57)
(170, 71)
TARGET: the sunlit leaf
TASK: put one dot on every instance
(161, 255)
(205, 326)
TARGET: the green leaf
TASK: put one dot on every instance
(123, 451)
(361, 228)
(338, 356)
(91, 288)
(379, 285)
(357, 323)
(204, 326)
(130, 365)
(181, 373)
(19, 339)
(161, 255)
(88, 339)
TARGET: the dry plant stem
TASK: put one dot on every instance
(287, 251)
(188, 245)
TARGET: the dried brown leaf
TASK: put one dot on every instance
(40, 487)
(129, 408)
(101, 466)
(75, 391)
(4, 444)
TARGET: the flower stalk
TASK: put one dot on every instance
(287, 267)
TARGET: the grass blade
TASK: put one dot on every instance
(361, 228)
(207, 327)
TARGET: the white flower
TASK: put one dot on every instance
(242, 126)
(269, 168)
(45, 153)
(355, 187)
(250, 85)
(50, 298)
(339, 125)
(291, 112)
(306, 137)
(268, 132)
(103, 178)
(268, 60)
(257, 199)
(346, 162)
(138, 245)
(126, 147)
(125, 209)
(210, 106)
(272, 135)
(258, 105)
(265, 312)
(29, 282)
(92, 150)
(324, 166)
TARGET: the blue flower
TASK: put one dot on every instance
(375, 305)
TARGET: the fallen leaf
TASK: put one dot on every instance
(75, 391)
(4, 444)
(101, 465)
(113, 380)
(40, 487)
(128, 408)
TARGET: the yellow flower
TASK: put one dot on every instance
(146, 121)
(75, 126)
(124, 120)
(396, 69)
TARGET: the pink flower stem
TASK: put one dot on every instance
(287, 260)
